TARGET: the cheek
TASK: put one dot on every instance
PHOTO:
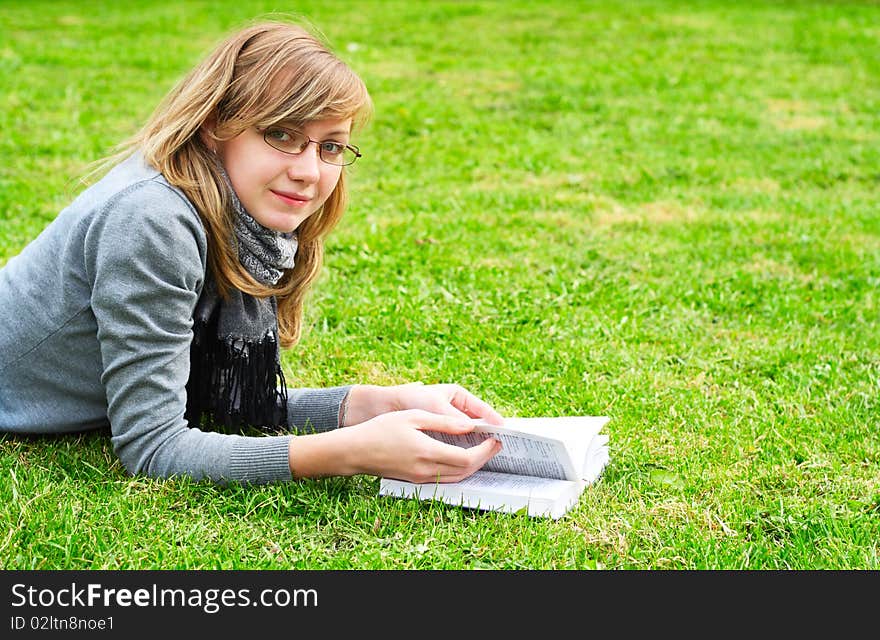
(246, 171)
(328, 184)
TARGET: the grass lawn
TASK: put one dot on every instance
(663, 212)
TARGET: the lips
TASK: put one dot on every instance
(291, 198)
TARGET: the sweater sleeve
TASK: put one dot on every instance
(311, 410)
(145, 257)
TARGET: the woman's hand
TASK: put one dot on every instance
(392, 445)
(368, 401)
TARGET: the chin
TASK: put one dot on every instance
(284, 228)
(282, 224)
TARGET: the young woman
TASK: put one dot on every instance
(158, 300)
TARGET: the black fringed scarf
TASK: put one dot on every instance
(235, 379)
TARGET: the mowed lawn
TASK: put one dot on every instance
(663, 212)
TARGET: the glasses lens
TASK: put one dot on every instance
(287, 141)
(332, 154)
(348, 156)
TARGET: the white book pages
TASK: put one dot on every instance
(489, 490)
(523, 454)
(543, 467)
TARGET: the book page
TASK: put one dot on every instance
(596, 463)
(580, 434)
(492, 481)
(571, 428)
(526, 454)
(488, 490)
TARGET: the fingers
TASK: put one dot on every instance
(483, 452)
(453, 464)
(395, 445)
(449, 410)
(436, 398)
(447, 399)
(428, 421)
(471, 405)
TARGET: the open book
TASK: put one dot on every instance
(543, 467)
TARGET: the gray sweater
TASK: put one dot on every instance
(95, 330)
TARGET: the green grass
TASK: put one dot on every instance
(665, 212)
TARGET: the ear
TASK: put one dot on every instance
(206, 133)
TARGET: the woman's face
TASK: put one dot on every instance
(278, 189)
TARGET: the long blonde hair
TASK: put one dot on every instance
(262, 75)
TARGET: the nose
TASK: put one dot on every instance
(305, 166)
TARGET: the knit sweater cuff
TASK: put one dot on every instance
(314, 410)
(260, 460)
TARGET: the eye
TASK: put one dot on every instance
(332, 148)
(278, 135)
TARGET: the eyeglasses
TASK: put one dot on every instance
(294, 143)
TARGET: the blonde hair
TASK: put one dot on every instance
(265, 74)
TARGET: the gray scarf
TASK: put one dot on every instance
(263, 252)
(236, 378)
